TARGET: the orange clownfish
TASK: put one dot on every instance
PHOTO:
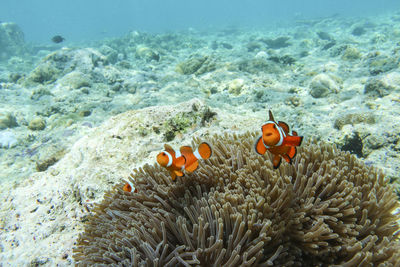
(185, 159)
(277, 140)
(129, 187)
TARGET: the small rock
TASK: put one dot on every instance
(76, 80)
(324, 36)
(323, 85)
(147, 53)
(37, 124)
(358, 31)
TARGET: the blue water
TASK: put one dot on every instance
(80, 20)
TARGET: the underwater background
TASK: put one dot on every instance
(90, 90)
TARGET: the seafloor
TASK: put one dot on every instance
(76, 118)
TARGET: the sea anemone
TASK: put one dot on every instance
(327, 208)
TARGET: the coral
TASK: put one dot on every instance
(354, 118)
(325, 209)
(377, 88)
(37, 124)
(7, 120)
(44, 73)
(53, 158)
(196, 65)
(351, 53)
(235, 86)
(184, 120)
(381, 64)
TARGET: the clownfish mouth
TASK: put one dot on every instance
(268, 134)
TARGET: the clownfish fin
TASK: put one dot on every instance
(259, 146)
(178, 173)
(169, 149)
(173, 175)
(284, 126)
(186, 150)
(292, 152)
(271, 117)
(287, 158)
(180, 162)
(292, 140)
(276, 161)
(192, 167)
(204, 151)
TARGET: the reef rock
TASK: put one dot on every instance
(61, 62)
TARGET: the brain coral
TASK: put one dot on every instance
(328, 208)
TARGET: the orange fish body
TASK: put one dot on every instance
(184, 159)
(276, 139)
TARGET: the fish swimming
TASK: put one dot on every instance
(57, 39)
(277, 140)
(176, 161)
(129, 187)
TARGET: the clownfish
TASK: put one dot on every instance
(129, 187)
(277, 140)
(176, 161)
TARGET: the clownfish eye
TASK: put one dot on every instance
(163, 153)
